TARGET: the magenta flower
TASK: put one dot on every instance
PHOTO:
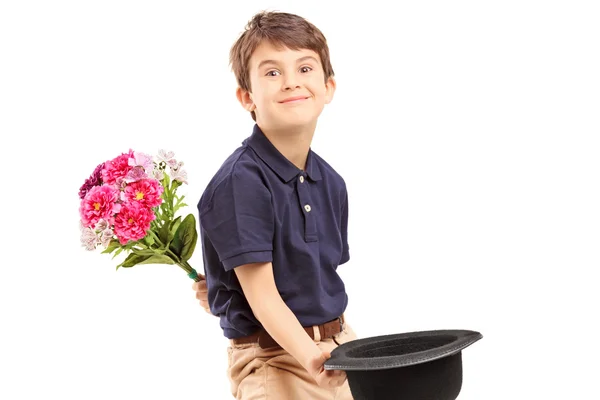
(147, 192)
(117, 169)
(99, 203)
(94, 180)
(132, 222)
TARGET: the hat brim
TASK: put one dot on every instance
(405, 349)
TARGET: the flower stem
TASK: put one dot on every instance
(191, 271)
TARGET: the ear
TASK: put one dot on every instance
(329, 89)
(245, 99)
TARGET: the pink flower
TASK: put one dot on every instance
(116, 169)
(141, 166)
(147, 192)
(141, 160)
(135, 174)
(99, 203)
(132, 222)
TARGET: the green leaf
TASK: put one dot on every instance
(166, 180)
(178, 206)
(174, 226)
(158, 259)
(143, 252)
(119, 250)
(112, 246)
(149, 239)
(184, 242)
(133, 259)
(163, 233)
(138, 259)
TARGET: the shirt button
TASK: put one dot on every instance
(307, 208)
(301, 179)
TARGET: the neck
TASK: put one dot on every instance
(294, 143)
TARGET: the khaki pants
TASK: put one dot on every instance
(273, 374)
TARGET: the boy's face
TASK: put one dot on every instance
(288, 87)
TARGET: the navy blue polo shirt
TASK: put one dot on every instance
(259, 207)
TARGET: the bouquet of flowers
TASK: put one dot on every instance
(129, 204)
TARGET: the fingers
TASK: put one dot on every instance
(205, 306)
(201, 290)
(335, 374)
(337, 378)
(200, 286)
(201, 295)
(331, 378)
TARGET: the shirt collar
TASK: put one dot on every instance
(277, 161)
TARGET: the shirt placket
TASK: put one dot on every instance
(304, 198)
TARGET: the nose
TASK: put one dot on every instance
(290, 82)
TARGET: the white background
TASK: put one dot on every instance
(467, 133)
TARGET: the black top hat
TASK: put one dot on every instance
(407, 366)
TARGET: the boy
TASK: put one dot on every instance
(273, 222)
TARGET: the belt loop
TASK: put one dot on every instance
(316, 333)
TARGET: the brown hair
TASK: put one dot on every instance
(280, 29)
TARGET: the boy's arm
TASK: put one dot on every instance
(258, 284)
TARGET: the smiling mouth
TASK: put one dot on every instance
(294, 100)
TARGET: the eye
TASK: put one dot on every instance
(305, 68)
(270, 73)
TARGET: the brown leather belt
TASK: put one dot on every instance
(326, 330)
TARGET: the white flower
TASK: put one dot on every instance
(173, 163)
(165, 156)
(179, 175)
(89, 239)
(101, 225)
(158, 174)
(176, 165)
(106, 237)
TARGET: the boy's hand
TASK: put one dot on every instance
(202, 294)
(324, 378)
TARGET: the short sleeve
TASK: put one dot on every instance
(239, 219)
(344, 230)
